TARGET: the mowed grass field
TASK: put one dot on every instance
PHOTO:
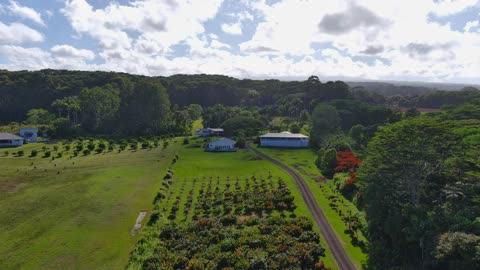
(195, 166)
(302, 160)
(75, 213)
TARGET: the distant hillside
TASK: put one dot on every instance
(408, 88)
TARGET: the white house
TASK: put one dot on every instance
(29, 134)
(284, 139)
(10, 140)
(222, 145)
(206, 132)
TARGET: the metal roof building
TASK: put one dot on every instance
(284, 139)
(10, 140)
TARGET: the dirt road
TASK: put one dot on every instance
(334, 245)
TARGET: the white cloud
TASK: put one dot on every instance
(158, 25)
(470, 26)
(25, 13)
(232, 29)
(69, 52)
(25, 58)
(219, 45)
(18, 33)
(449, 7)
(49, 13)
(369, 39)
(382, 29)
(242, 16)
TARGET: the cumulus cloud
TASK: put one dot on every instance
(353, 18)
(69, 52)
(242, 16)
(232, 29)
(328, 38)
(438, 51)
(219, 45)
(158, 25)
(18, 33)
(25, 58)
(252, 48)
(25, 12)
(449, 7)
(373, 49)
(469, 26)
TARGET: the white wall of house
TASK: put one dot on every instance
(284, 142)
(11, 143)
(222, 145)
(30, 134)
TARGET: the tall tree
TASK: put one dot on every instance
(39, 117)
(325, 121)
(146, 110)
(99, 105)
(417, 174)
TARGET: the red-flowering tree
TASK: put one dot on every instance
(347, 162)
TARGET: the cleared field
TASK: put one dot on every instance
(195, 168)
(302, 160)
(75, 213)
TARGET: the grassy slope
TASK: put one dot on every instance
(194, 163)
(79, 212)
(302, 161)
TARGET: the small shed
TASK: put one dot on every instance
(222, 145)
(29, 134)
(10, 140)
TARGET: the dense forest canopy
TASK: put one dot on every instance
(22, 91)
(420, 188)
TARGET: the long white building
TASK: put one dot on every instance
(284, 139)
(222, 145)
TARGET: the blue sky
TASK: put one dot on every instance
(419, 40)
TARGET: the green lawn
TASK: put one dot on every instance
(302, 160)
(194, 163)
(75, 213)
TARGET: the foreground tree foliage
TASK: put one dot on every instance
(421, 181)
(238, 227)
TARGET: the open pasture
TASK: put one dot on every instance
(61, 211)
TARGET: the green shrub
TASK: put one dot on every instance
(91, 146)
(133, 146)
(34, 153)
(79, 147)
(20, 153)
(86, 152)
(102, 145)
